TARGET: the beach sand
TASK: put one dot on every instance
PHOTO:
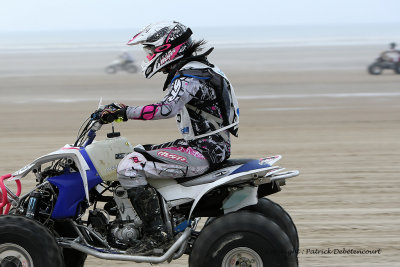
(316, 106)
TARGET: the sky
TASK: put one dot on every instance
(58, 15)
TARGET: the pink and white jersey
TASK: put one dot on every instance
(198, 112)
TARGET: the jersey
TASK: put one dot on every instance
(199, 115)
(222, 100)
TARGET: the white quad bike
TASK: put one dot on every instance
(121, 65)
(79, 208)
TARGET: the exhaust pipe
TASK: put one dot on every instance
(124, 257)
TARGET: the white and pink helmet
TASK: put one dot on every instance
(164, 43)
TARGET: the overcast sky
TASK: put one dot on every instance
(38, 15)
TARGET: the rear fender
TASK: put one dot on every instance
(238, 199)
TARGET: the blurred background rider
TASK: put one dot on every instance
(126, 58)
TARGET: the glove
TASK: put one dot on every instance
(112, 112)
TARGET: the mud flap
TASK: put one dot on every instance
(241, 198)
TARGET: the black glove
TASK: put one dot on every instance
(112, 112)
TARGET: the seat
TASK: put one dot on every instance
(212, 174)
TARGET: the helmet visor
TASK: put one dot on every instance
(149, 51)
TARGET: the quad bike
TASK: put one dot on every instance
(384, 62)
(120, 65)
(79, 208)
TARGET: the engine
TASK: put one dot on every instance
(125, 229)
(118, 233)
(124, 234)
(126, 210)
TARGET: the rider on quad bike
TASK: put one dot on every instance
(203, 101)
(389, 59)
(126, 58)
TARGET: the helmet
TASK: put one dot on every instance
(164, 43)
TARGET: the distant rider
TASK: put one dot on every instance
(205, 107)
(392, 46)
(392, 55)
(126, 58)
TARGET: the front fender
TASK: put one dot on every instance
(66, 152)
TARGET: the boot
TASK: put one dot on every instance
(145, 201)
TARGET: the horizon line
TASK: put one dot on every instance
(340, 24)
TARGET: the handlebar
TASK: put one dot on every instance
(91, 135)
(87, 132)
(91, 126)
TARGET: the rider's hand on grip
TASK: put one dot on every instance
(113, 112)
(96, 115)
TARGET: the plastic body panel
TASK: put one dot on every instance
(72, 190)
(107, 154)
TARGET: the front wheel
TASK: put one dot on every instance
(111, 70)
(375, 69)
(24, 242)
(242, 239)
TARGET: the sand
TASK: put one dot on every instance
(316, 106)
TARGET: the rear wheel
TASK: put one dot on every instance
(276, 213)
(24, 242)
(242, 238)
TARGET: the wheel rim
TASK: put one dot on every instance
(12, 255)
(243, 257)
(376, 69)
(111, 70)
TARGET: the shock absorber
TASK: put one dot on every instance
(33, 203)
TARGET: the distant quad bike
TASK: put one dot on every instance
(79, 208)
(385, 61)
(118, 65)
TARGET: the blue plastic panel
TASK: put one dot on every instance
(71, 190)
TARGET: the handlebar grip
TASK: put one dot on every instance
(110, 118)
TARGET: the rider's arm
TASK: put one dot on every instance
(180, 92)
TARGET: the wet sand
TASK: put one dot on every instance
(315, 106)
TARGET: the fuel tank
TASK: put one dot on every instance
(106, 155)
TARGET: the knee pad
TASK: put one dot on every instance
(130, 164)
